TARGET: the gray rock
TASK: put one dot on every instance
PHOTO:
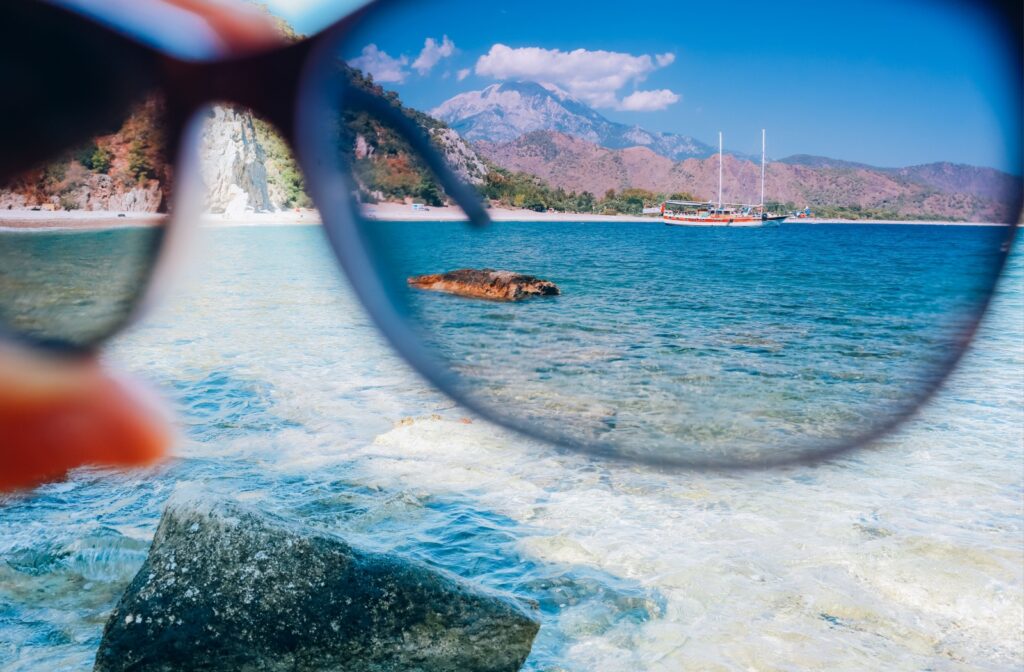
(227, 588)
(460, 155)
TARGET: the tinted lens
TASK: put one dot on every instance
(85, 178)
(639, 294)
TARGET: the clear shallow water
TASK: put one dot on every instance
(695, 342)
(72, 286)
(908, 556)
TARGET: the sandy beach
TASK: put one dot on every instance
(406, 213)
(89, 220)
(77, 219)
(402, 212)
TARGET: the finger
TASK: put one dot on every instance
(241, 27)
(52, 422)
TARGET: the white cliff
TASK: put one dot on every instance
(233, 164)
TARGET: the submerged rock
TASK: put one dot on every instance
(486, 284)
(227, 588)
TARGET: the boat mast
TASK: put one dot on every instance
(762, 169)
(719, 170)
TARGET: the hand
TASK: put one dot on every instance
(241, 27)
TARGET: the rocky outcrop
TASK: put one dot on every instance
(459, 155)
(227, 588)
(233, 164)
(123, 171)
(90, 192)
(102, 193)
(486, 284)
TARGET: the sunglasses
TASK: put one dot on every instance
(522, 241)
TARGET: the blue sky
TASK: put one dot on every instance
(886, 83)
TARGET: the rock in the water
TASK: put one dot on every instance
(486, 284)
(227, 588)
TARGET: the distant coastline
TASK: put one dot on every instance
(917, 222)
(96, 220)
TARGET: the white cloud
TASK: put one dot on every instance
(380, 65)
(594, 77)
(649, 101)
(432, 54)
(462, 74)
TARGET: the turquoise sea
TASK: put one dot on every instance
(697, 342)
(908, 555)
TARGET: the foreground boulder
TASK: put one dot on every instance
(486, 284)
(226, 588)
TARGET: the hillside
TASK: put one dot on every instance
(122, 170)
(247, 167)
(244, 163)
(985, 183)
(937, 191)
(946, 177)
(384, 165)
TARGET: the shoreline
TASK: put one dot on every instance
(89, 220)
(910, 222)
(76, 220)
(404, 213)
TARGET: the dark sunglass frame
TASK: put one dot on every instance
(267, 83)
(280, 86)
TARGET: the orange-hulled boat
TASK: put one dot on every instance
(700, 213)
(693, 213)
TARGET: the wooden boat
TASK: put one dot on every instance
(699, 213)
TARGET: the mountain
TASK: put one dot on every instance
(503, 112)
(812, 161)
(987, 183)
(943, 176)
(577, 165)
(943, 191)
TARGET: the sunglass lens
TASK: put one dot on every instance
(640, 292)
(80, 233)
(84, 177)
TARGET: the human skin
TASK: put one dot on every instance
(60, 414)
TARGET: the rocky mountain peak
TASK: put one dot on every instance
(503, 112)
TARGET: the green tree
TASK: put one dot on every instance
(54, 173)
(283, 171)
(139, 165)
(585, 202)
(430, 194)
(100, 160)
(84, 154)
